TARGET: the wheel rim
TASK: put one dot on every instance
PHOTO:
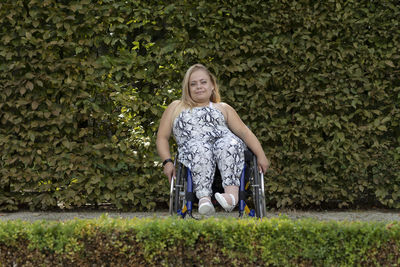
(263, 204)
(171, 196)
(178, 198)
(256, 192)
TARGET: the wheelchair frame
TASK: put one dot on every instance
(182, 195)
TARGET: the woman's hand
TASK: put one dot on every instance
(169, 170)
(263, 164)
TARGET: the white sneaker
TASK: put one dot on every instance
(206, 207)
(222, 201)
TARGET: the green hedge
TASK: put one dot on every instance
(84, 83)
(177, 242)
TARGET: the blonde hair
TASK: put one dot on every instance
(186, 100)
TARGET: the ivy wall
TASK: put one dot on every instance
(84, 83)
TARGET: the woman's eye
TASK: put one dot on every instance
(204, 82)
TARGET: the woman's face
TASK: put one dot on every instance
(200, 86)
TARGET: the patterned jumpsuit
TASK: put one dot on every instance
(204, 140)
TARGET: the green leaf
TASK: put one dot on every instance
(35, 105)
(29, 85)
(98, 146)
(390, 63)
(382, 128)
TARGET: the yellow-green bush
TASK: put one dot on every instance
(84, 83)
(177, 242)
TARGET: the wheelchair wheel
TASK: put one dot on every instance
(258, 192)
(177, 191)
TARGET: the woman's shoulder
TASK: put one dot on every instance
(223, 107)
(169, 111)
(174, 103)
(226, 109)
(175, 108)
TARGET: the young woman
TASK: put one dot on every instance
(208, 133)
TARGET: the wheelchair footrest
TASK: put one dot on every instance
(249, 212)
(252, 213)
(182, 212)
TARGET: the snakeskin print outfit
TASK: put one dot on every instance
(205, 141)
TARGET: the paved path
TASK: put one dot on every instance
(354, 215)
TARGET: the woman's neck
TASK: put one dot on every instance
(204, 104)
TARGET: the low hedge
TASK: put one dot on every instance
(167, 242)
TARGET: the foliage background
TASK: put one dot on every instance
(84, 83)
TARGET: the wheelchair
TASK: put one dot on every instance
(182, 196)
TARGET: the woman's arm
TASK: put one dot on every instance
(237, 126)
(163, 135)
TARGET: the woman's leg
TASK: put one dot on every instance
(229, 154)
(202, 165)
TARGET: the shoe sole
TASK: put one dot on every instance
(222, 201)
(206, 209)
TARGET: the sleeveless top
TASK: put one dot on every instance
(200, 124)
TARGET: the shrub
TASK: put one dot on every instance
(168, 242)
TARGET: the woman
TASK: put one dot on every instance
(208, 132)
